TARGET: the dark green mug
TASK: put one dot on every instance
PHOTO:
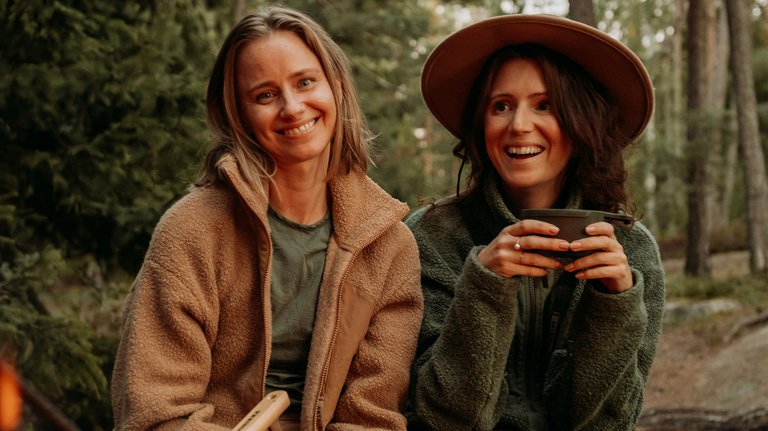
(572, 224)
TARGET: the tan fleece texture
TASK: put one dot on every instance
(196, 327)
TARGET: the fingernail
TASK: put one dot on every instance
(554, 229)
(564, 245)
(575, 245)
(569, 267)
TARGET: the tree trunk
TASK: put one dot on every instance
(717, 102)
(677, 75)
(700, 21)
(749, 135)
(649, 181)
(239, 10)
(671, 182)
(582, 11)
(731, 156)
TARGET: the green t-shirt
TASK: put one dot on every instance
(297, 268)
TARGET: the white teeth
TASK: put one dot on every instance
(304, 128)
(523, 151)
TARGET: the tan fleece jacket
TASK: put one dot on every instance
(197, 322)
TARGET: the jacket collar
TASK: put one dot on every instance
(495, 200)
(362, 210)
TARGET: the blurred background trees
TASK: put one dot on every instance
(102, 127)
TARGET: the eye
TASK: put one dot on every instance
(265, 96)
(500, 106)
(544, 105)
(306, 82)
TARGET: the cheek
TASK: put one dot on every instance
(564, 154)
(493, 132)
(566, 147)
(554, 134)
(329, 102)
(256, 120)
(494, 151)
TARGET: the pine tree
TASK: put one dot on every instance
(101, 128)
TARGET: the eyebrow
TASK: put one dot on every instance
(294, 75)
(537, 94)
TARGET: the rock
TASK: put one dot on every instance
(687, 311)
(710, 375)
(692, 419)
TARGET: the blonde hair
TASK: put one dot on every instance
(351, 139)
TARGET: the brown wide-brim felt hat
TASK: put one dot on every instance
(456, 62)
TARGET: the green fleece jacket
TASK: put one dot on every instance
(523, 353)
(196, 336)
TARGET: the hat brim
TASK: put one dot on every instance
(453, 66)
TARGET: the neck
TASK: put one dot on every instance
(301, 197)
(519, 199)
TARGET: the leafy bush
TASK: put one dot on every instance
(60, 355)
(750, 289)
(101, 121)
(101, 128)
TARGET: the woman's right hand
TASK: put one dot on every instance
(506, 255)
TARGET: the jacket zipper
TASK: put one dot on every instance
(267, 334)
(326, 366)
(535, 343)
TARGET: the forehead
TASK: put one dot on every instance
(280, 48)
(519, 73)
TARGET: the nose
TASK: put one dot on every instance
(521, 121)
(293, 105)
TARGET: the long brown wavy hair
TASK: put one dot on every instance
(586, 113)
(352, 138)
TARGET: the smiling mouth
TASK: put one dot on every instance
(304, 128)
(523, 152)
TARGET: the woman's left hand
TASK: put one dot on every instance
(608, 264)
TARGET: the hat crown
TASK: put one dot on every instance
(455, 63)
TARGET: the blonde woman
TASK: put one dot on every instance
(286, 268)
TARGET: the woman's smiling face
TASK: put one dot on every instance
(285, 99)
(522, 136)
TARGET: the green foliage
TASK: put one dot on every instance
(101, 128)
(59, 355)
(750, 289)
(760, 70)
(101, 120)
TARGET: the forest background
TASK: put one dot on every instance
(102, 128)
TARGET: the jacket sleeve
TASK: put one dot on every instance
(469, 320)
(163, 362)
(598, 383)
(376, 386)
